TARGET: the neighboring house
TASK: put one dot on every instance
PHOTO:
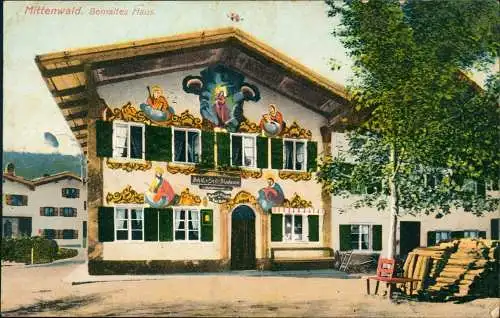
(202, 149)
(365, 230)
(52, 206)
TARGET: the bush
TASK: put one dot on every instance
(19, 249)
(66, 253)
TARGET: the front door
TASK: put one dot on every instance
(243, 238)
(409, 237)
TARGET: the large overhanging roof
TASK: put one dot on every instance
(68, 73)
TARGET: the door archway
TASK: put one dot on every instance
(243, 238)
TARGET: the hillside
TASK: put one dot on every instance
(34, 165)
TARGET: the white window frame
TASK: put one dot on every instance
(129, 222)
(186, 143)
(242, 135)
(129, 124)
(436, 241)
(305, 228)
(370, 238)
(186, 220)
(294, 156)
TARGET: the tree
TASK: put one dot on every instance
(430, 128)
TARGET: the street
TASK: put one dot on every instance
(43, 291)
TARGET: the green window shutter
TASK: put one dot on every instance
(223, 149)
(276, 153)
(313, 224)
(431, 238)
(377, 237)
(106, 224)
(312, 156)
(207, 149)
(494, 229)
(166, 224)
(158, 143)
(457, 234)
(345, 237)
(207, 225)
(482, 234)
(276, 227)
(262, 156)
(150, 224)
(104, 138)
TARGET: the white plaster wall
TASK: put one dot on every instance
(49, 194)
(117, 95)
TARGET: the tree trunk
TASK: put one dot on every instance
(393, 205)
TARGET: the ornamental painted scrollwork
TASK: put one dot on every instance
(241, 197)
(247, 174)
(185, 119)
(129, 166)
(247, 126)
(183, 169)
(295, 176)
(297, 202)
(127, 195)
(187, 198)
(295, 131)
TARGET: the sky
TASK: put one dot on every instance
(300, 30)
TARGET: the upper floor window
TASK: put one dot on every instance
(71, 193)
(16, 199)
(187, 225)
(48, 211)
(128, 140)
(129, 224)
(243, 150)
(187, 145)
(294, 156)
(68, 212)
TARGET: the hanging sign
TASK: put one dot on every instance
(218, 197)
(216, 181)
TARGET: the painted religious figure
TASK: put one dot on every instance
(156, 106)
(272, 123)
(270, 196)
(160, 192)
(222, 93)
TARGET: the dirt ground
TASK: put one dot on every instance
(40, 291)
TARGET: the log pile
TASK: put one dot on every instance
(462, 268)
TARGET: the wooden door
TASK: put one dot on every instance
(243, 239)
(409, 237)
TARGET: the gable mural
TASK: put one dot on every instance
(272, 123)
(222, 93)
(270, 196)
(156, 106)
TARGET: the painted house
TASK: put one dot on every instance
(202, 150)
(366, 230)
(52, 206)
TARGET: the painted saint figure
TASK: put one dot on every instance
(221, 108)
(272, 123)
(270, 196)
(160, 192)
(156, 106)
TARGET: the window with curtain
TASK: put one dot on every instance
(128, 140)
(471, 234)
(187, 225)
(360, 237)
(442, 236)
(186, 145)
(48, 211)
(16, 199)
(129, 224)
(243, 150)
(68, 212)
(293, 227)
(294, 156)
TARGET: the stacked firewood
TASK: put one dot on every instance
(462, 268)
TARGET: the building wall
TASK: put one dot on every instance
(115, 180)
(48, 195)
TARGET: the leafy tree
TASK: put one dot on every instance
(430, 128)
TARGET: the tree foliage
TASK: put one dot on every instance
(409, 64)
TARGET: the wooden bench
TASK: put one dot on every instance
(298, 261)
(385, 271)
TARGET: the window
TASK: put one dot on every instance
(68, 212)
(129, 224)
(294, 157)
(243, 150)
(293, 227)
(187, 225)
(48, 211)
(128, 140)
(71, 193)
(16, 199)
(471, 234)
(186, 145)
(360, 237)
(69, 234)
(49, 234)
(442, 236)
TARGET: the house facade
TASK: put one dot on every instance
(366, 230)
(52, 206)
(201, 148)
